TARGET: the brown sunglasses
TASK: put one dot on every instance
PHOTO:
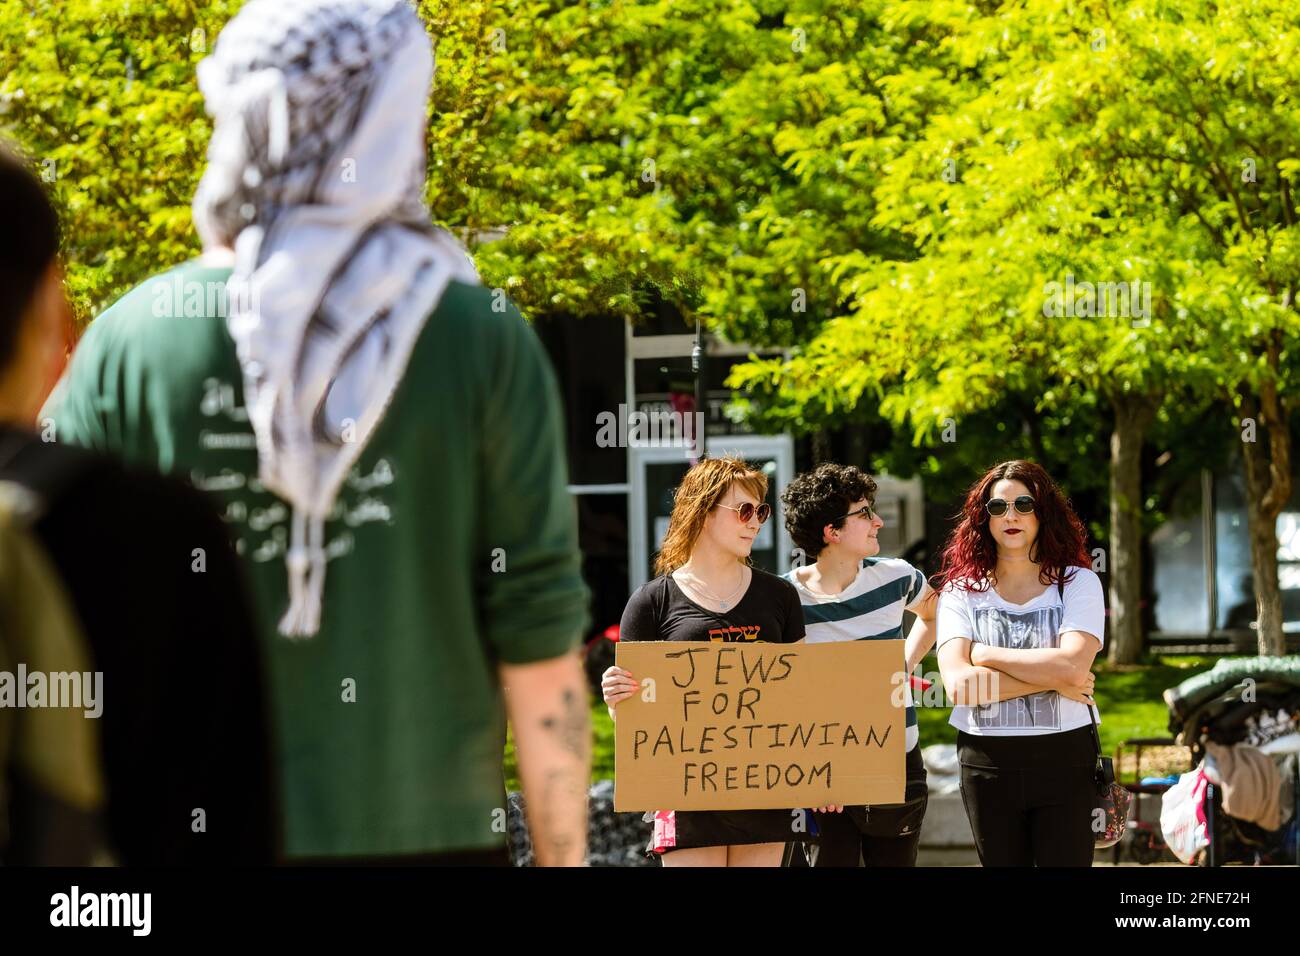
(746, 511)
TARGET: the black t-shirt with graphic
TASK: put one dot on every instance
(769, 610)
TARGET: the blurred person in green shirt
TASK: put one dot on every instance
(385, 434)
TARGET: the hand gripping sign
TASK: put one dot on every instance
(760, 726)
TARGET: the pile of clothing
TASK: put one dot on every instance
(1256, 786)
(1250, 783)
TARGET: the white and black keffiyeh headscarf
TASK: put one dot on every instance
(315, 173)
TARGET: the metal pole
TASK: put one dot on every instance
(698, 365)
(1208, 542)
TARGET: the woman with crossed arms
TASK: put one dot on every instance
(1021, 618)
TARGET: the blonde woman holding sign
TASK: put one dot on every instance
(705, 588)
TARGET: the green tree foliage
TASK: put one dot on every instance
(102, 96)
(890, 188)
(1106, 144)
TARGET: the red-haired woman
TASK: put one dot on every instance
(706, 589)
(1021, 618)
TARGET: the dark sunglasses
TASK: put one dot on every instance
(866, 511)
(746, 511)
(998, 507)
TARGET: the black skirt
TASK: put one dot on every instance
(691, 829)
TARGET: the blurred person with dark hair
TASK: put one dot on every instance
(158, 606)
(1021, 619)
(386, 435)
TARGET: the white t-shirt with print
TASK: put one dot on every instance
(984, 617)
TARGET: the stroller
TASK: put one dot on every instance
(1253, 701)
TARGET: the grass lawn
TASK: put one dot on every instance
(1128, 699)
(602, 750)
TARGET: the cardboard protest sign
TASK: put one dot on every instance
(738, 726)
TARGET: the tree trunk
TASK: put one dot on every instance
(1266, 451)
(821, 447)
(1133, 414)
(855, 445)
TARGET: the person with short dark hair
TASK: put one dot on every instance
(849, 593)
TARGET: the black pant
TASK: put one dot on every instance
(886, 834)
(1030, 799)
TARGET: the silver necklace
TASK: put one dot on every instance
(722, 602)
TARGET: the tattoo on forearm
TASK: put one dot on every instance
(572, 726)
(563, 813)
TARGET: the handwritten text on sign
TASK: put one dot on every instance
(761, 726)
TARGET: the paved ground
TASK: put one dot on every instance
(961, 856)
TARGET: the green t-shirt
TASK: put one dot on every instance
(453, 548)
